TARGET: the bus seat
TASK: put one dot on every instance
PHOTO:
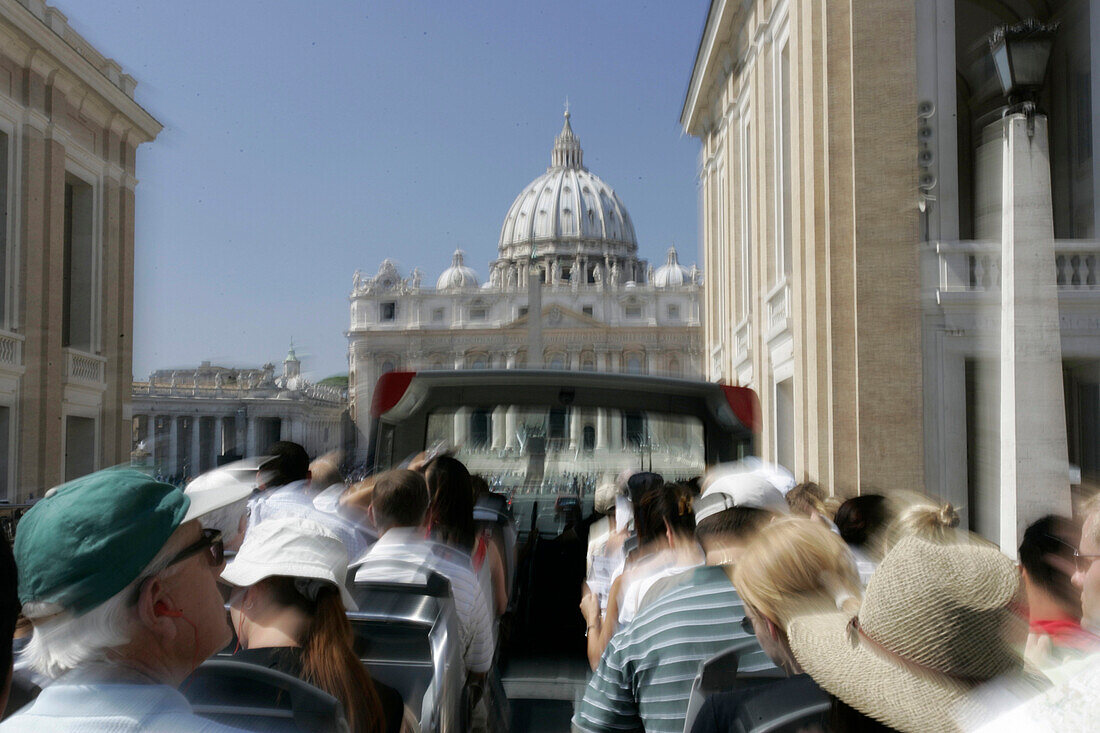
(252, 697)
(408, 637)
(492, 513)
(719, 673)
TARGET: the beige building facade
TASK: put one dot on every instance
(805, 112)
(69, 130)
(852, 202)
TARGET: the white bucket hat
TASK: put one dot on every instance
(296, 548)
(739, 489)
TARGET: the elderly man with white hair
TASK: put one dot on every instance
(119, 580)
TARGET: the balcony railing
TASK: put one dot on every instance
(742, 343)
(84, 368)
(976, 266)
(11, 349)
(779, 309)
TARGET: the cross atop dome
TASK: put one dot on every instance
(567, 151)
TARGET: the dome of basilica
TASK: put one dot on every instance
(567, 204)
(672, 273)
(457, 275)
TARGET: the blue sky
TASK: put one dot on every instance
(305, 140)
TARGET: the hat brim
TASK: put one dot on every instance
(242, 573)
(871, 681)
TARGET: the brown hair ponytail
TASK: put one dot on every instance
(329, 662)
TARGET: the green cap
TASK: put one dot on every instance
(90, 538)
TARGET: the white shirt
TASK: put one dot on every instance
(407, 546)
(79, 703)
(297, 500)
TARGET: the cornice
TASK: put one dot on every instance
(45, 40)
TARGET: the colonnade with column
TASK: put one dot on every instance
(504, 423)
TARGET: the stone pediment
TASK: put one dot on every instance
(557, 316)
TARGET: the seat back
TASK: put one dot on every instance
(407, 635)
(719, 673)
(492, 513)
(252, 697)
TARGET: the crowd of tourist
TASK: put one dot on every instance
(873, 613)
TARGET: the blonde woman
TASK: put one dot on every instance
(793, 567)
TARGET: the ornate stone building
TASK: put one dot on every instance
(187, 421)
(69, 132)
(602, 308)
(853, 197)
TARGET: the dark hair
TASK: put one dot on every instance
(1051, 536)
(9, 604)
(289, 462)
(739, 523)
(479, 486)
(451, 503)
(399, 498)
(328, 654)
(661, 505)
(861, 518)
(638, 484)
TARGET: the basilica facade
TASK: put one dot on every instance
(568, 243)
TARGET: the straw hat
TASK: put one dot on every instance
(936, 621)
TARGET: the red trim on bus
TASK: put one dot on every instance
(388, 391)
(745, 405)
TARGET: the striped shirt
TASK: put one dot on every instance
(644, 678)
(407, 546)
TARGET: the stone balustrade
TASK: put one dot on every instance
(975, 266)
(84, 368)
(11, 349)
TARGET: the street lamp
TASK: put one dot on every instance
(1020, 55)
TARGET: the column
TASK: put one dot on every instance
(173, 445)
(499, 427)
(1034, 455)
(461, 426)
(219, 449)
(510, 441)
(252, 438)
(615, 430)
(601, 429)
(574, 428)
(240, 427)
(151, 438)
(196, 445)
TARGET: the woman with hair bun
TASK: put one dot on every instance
(937, 523)
(664, 518)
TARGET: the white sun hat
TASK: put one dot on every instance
(292, 547)
(739, 490)
(223, 486)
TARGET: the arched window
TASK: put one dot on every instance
(557, 361)
(387, 366)
(674, 367)
(633, 364)
(588, 363)
(480, 361)
(589, 440)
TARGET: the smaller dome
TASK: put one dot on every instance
(457, 275)
(672, 273)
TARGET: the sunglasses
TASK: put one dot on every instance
(1083, 563)
(210, 543)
